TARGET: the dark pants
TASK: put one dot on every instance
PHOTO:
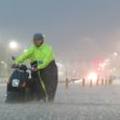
(49, 76)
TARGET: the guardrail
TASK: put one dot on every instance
(67, 82)
(84, 82)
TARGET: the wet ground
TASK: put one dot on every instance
(76, 103)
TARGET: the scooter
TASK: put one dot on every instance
(20, 84)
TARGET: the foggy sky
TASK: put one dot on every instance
(77, 29)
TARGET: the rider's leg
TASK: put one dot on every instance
(37, 88)
(50, 77)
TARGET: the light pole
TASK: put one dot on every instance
(13, 49)
(3, 68)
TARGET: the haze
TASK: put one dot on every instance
(79, 30)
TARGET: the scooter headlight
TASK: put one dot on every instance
(15, 82)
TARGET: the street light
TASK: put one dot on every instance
(13, 45)
(115, 54)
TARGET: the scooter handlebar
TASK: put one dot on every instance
(21, 67)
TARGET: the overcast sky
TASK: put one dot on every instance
(77, 29)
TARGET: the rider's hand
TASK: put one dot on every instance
(34, 69)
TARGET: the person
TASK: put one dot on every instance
(46, 67)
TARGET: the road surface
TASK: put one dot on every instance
(76, 103)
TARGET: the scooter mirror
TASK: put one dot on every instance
(13, 58)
